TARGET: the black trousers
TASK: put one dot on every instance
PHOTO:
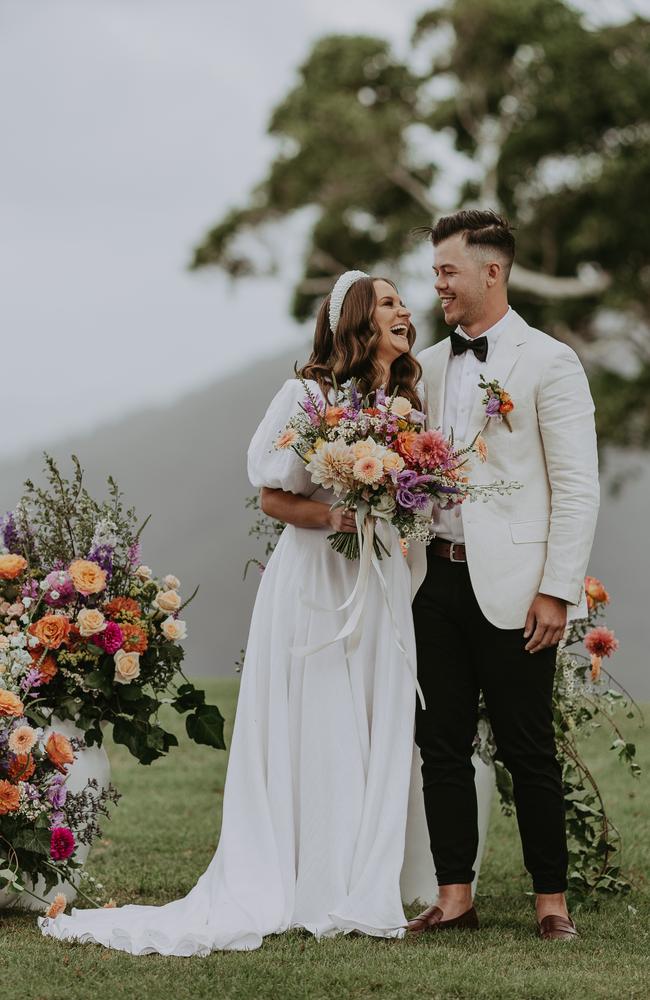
(459, 654)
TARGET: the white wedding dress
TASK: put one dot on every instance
(316, 796)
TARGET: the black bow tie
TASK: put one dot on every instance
(460, 344)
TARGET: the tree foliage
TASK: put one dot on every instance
(547, 119)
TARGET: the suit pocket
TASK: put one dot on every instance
(529, 531)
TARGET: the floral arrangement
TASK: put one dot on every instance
(586, 697)
(41, 821)
(86, 631)
(374, 453)
(497, 402)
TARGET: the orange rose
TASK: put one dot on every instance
(11, 566)
(51, 630)
(87, 577)
(333, 415)
(9, 797)
(59, 750)
(10, 704)
(595, 591)
(405, 442)
(506, 406)
(135, 638)
(21, 767)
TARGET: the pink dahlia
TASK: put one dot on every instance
(62, 843)
(601, 641)
(431, 449)
(111, 639)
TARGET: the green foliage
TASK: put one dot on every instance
(549, 112)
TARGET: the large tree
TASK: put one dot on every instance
(549, 119)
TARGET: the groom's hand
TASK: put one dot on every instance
(545, 623)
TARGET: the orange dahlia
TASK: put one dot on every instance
(122, 605)
(21, 767)
(59, 750)
(9, 797)
(135, 638)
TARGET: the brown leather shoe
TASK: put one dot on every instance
(431, 920)
(557, 928)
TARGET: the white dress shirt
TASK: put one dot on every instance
(461, 386)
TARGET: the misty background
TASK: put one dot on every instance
(129, 126)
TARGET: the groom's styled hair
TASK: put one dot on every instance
(480, 229)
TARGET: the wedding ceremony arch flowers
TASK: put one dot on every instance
(375, 454)
(585, 698)
(87, 632)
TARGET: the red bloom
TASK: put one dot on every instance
(601, 641)
(111, 639)
(62, 843)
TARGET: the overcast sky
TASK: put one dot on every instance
(128, 127)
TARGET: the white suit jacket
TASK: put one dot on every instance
(539, 538)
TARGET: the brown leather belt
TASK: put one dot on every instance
(454, 551)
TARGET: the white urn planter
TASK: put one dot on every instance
(91, 762)
(418, 880)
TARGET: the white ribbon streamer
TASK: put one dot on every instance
(351, 630)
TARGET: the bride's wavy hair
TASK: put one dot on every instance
(351, 352)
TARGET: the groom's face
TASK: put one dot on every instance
(461, 281)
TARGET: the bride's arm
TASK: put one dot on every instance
(304, 513)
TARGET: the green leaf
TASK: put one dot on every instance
(188, 699)
(32, 839)
(97, 681)
(206, 726)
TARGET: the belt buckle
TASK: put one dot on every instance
(452, 546)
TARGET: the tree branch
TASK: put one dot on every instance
(548, 286)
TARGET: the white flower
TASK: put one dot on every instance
(143, 573)
(399, 406)
(332, 465)
(27, 601)
(171, 582)
(127, 666)
(174, 629)
(54, 594)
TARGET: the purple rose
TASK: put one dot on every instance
(493, 406)
(57, 792)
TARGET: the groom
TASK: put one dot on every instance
(501, 576)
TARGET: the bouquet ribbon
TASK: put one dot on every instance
(351, 630)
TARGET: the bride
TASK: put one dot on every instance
(315, 802)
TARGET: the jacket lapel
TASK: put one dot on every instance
(435, 375)
(501, 360)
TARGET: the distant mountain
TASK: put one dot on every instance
(185, 464)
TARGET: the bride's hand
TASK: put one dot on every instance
(341, 519)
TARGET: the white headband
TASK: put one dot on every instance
(340, 290)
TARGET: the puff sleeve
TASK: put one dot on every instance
(279, 470)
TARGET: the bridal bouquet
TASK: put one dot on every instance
(376, 456)
(86, 632)
(41, 821)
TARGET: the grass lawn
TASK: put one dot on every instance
(163, 835)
